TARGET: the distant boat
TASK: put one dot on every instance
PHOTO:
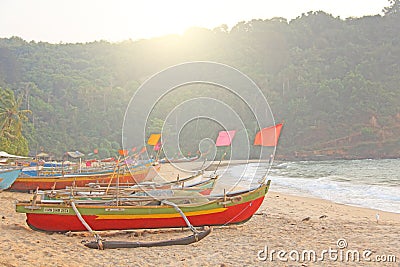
(133, 175)
(31, 170)
(8, 177)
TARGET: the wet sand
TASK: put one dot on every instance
(283, 222)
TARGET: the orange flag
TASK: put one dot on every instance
(123, 152)
(268, 136)
(153, 139)
(143, 150)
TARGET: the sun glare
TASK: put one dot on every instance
(90, 20)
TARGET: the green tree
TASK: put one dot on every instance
(11, 122)
(394, 7)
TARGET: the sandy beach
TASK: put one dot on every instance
(284, 223)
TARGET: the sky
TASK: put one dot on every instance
(72, 21)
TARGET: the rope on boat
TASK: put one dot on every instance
(87, 226)
(176, 207)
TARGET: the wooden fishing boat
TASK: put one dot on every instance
(153, 184)
(101, 191)
(204, 186)
(8, 177)
(34, 169)
(144, 212)
(131, 176)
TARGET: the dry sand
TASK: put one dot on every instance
(282, 223)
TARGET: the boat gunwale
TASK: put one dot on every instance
(254, 191)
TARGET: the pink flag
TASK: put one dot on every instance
(225, 138)
(157, 146)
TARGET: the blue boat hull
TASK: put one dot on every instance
(8, 177)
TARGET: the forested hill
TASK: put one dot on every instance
(335, 83)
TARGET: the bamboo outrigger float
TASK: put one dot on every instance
(195, 237)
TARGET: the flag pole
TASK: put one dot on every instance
(219, 163)
(271, 159)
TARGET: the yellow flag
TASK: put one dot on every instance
(153, 139)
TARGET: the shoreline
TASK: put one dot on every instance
(278, 159)
(283, 222)
(366, 210)
(299, 193)
(303, 195)
(322, 158)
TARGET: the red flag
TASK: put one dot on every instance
(143, 150)
(134, 149)
(225, 138)
(123, 152)
(268, 136)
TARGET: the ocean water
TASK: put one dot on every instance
(365, 183)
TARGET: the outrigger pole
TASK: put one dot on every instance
(100, 244)
(87, 226)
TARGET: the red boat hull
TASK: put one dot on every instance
(60, 223)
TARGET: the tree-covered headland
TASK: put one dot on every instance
(334, 82)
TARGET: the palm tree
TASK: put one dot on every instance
(394, 7)
(11, 117)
